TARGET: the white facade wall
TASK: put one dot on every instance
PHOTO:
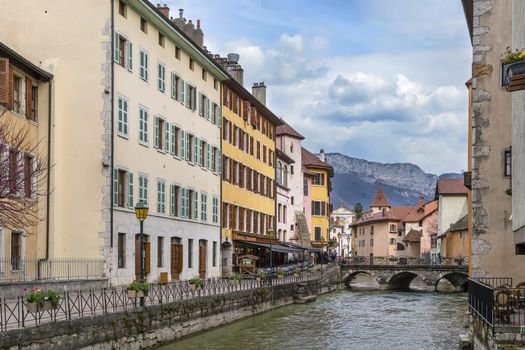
(451, 209)
(159, 165)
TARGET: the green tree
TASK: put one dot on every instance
(358, 210)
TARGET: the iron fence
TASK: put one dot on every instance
(480, 301)
(402, 261)
(19, 270)
(15, 313)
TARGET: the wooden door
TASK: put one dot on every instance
(202, 259)
(176, 260)
(146, 256)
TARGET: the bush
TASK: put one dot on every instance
(37, 296)
(260, 274)
(280, 272)
(236, 277)
(141, 286)
(197, 281)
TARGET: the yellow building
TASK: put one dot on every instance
(24, 127)
(248, 177)
(317, 200)
(455, 242)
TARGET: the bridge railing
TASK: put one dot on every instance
(401, 261)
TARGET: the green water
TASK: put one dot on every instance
(362, 320)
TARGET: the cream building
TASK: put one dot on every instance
(142, 125)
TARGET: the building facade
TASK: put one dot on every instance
(318, 197)
(248, 178)
(24, 128)
(342, 219)
(148, 127)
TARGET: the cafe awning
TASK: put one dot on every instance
(275, 247)
(302, 247)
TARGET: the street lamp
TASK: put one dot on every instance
(339, 238)
(141, 211)
(269, 232)
(349, 248)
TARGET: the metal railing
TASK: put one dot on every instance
(14, 313)
(402, 261)
(497, 303)
(19, 270)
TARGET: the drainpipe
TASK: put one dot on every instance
(48, 180)
(112, 120)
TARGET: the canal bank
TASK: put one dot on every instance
(163, 323)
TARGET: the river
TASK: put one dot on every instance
(362, 320)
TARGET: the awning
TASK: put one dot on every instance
(275, 247)
(302, 247)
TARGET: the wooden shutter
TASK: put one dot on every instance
(231, 131)
(130, 190)
(5, 77)
(232, 216)
(29, 90)
(147, 264)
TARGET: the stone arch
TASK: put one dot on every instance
(348, 279)
(400, 246)
(458, 279)
(402, 280)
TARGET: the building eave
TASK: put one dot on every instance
(23, 63)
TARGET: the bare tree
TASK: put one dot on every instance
(23, 171)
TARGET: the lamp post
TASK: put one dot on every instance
(339, 238)
(269, 232)
(348, 241)
(141, 211)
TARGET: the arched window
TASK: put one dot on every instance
(291, 147)
(279, 173)
(400, 246)
(279, 207)
(284, 214)
(285, 176)
(284, 236)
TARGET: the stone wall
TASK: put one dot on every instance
(14, 289)
(152, 326)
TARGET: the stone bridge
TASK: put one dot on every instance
(399, 277)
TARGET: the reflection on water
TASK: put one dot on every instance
(364, 320)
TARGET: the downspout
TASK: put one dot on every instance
(112, 121)
(48, 180)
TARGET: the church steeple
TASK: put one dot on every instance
(380, 201)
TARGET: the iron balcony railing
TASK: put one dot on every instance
(394, 260)
(15, 313)
(19, 270)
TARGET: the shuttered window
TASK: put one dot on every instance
(143, 189)
(161, 77)
(173, 139)
(143, 125)
(131, 205)
(215, 212)
(174, 200)
(122, 122)
(123, 54)
(204, 207)
(184, 202)
(161, 196)
(4, 82)
(195, 205)
(177, 88)
(144, 65)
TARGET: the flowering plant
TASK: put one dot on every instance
(37, 296)
(513, 56)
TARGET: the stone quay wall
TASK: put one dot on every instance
(152, 326)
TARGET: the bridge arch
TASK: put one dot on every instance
(351, 276)
(458, 279)
(402, 280)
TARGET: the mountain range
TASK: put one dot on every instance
(356, 181)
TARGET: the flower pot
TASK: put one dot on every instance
(280, 276)
(193, 287)
(135, 293)
(296, 275)
(235, 281)
(41, 307)
(258, 279)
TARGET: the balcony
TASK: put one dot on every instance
(514, 76)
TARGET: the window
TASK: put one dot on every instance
(258, 150)
(291, 169)
(174, 200)
(371, 242)
(121, 246)
(122, 188)
(191, 97)
(433, 242)
(195, 204)
(318, 208)
(177, 88)
(122, 122)
(16, 250)
(318, 179)
(160, 251)
(204, 75)
(214, 252)
(393, 228)
(123, 52)
(264, 153)
(190, 253)
(161, 77)
(184, 203)
(291, 147)
(177, 52)
(192, 64)
(143, 25)
(216, 84)
(371, 230)
(204, 207)
(17, 90)
(122, 8)
(28, 176)
(508, 163)
(143, 125)
(204, 106)
(393, 241)
(161, 134)
(317, 233)
(143, 70)
(161, 196)
(162, 39)
(215, 213)
(143, 189)
(251, 146)
(34, 102)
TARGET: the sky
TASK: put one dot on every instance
(382, 80)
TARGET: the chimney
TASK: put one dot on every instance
(259, 91)
(180, 21)
(198, 35)
(322, 157)
(234, 68)
(164, 9)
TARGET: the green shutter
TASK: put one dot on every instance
(181, 91)
(173, 85)
(188, 145)
(187, 95)
(195, 205)
(219, 116)
(201, 107)
(183, 144)
(130, 190)
(156, 132)
(167, 127)
(115, 187)
(219, 161)
(130, 56)
(172, 139)
(116, 47)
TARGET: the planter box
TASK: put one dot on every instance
(194, 287)
(258, 279)
(280, 276)
(296, 274)
(514, 76)
(135, 294)
(41, 307)
(235, 281)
